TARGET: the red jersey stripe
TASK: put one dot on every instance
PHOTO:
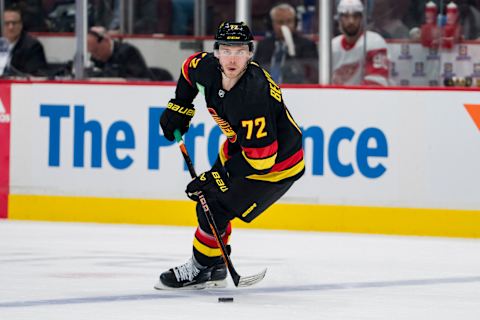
(289, 162)
(261, 153)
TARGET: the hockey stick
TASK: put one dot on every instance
(238, 280)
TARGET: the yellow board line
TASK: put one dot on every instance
(304, 217)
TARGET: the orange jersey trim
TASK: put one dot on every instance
(185, 66)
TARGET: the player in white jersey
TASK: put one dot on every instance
(351, 64)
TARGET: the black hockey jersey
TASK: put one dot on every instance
(263, 141)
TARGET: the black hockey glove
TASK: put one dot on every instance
(210, 183)
(176, 116)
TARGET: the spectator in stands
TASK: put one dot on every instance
(149, 16)
(469, 19)
(387, 18)
(114, 24)
(114, 59)
(25, 54)
(105, 13)
(61, 14)
(182, 21)
(352, 64)
(219, 11)
(261, 22)
(33, 14)
(152, 16)
(287, 55)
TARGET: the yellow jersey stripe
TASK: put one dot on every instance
(261, 164)
(277, 176)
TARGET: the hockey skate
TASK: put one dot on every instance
(191, 275)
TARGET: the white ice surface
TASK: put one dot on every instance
(65, 271)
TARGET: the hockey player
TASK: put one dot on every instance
(351, 63)
(258, 162)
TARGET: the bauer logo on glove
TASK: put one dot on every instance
(210, 183)
(177, 116)
(182, 110)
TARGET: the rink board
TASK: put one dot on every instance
(378, 161)
(283, 216)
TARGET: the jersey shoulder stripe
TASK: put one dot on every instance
(190, 62)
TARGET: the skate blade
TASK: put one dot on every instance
(160, 286)
(217, 284)
(206, 285)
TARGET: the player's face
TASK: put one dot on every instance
(351, 23)
(233, 59)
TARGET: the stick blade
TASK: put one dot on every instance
(248, 281)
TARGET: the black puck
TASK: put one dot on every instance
(225, 299)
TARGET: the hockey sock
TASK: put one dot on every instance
(205, 248)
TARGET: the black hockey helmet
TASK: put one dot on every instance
(233, 33)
